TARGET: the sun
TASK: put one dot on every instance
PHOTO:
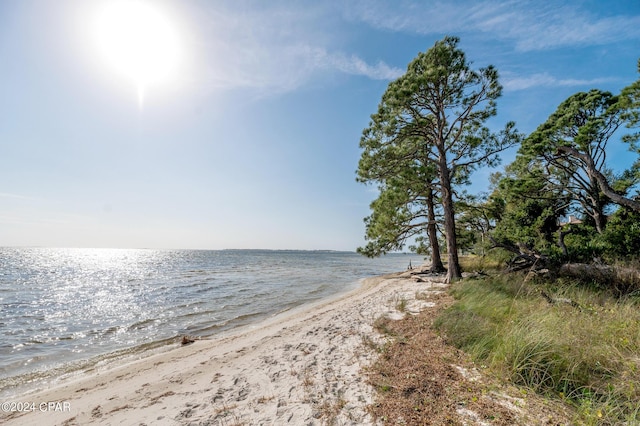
(137, 41)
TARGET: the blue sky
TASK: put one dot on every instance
(252, 142)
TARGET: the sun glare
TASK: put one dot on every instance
(138, 42)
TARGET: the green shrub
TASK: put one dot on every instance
(622, 235)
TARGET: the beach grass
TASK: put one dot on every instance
(474, 263)
(582, 350)
(420, 379)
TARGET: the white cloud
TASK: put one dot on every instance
(275, 48)
(409, 16)
(281, 45)
(529, 25)
(568, 27)
(287, 68)
(546, 80)
(356, 66)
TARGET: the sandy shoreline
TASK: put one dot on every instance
(301, 367)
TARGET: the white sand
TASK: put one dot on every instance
(303, 367)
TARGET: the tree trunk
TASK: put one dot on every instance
(436, 260)
(599, 219)
(453, 268)
(601, 179)
(561, 244)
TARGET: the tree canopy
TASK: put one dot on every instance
(572, 148)
(433, 117)
(558, 201)
(561, 200)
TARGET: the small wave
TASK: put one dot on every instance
(52, 372)
(320, 289)
(197, 314)
(239, 321)
(142, 324)
(42, 340)
(109, 331)
(206, 290)
(195, 284)
(288, 306)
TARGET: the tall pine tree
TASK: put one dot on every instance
(434, 114)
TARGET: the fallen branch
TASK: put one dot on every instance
(558, 300)
(525, 257)
(623, 280)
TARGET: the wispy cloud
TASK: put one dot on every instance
(277, 47)
(15, 196)
(281, 45)
(564, 26)
(410, 16)
(546, 80)
(354, 65)
(288, 67)
(529, 25)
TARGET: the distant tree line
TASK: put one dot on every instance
(428, 136)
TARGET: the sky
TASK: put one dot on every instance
(236, 124)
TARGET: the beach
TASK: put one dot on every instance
(66, 310)
(305, 366)
(312, 365)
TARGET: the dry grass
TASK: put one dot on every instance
(329, 410)
(307, 379)
(264, 399)
(419, 382)
(473, 263)
(369, 343)
(226, 416)
(422, 295)
(401, 305)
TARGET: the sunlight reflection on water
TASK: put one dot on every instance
(61, 306)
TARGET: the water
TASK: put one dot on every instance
(66, 309)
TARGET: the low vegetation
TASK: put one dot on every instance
(564, 339)
(417, 381)
(421, 379)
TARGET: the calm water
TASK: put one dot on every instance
(65, 309)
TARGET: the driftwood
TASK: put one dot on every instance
(624, 280)
(478, 273)
(595, 272)
(559, 300)
(532, 261)
(535, 272)
(187, 340)
(525, 257)
(425, 277)
(424, 274)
